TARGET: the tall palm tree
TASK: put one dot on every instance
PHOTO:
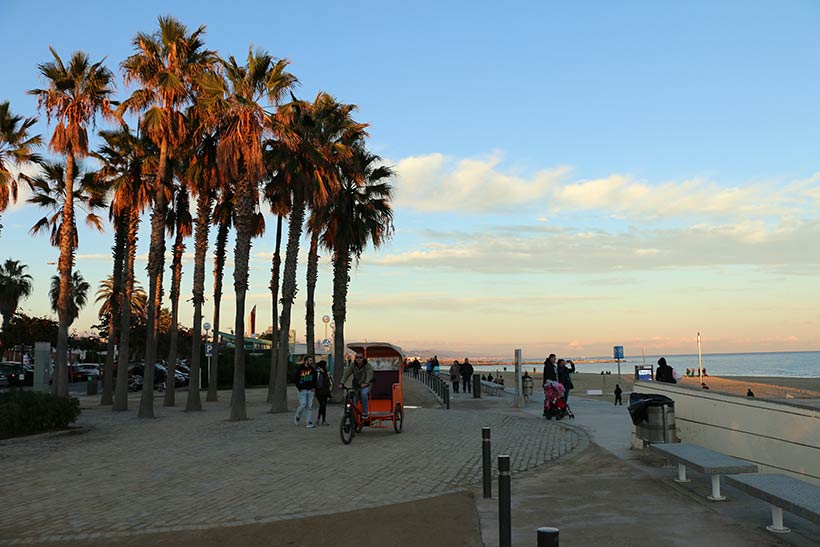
(15, 284)
(203, 173)
(76, 93)
(357, 215)
(79, 294)
(179, 221)
(312, 278)
(313, 139)
(165, 65)
(16, 149)
(223, 219)
(277, 195)
(235, 104)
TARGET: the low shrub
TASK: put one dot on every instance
(257, 369)
(29, 412)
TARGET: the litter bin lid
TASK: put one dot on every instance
(640, 402)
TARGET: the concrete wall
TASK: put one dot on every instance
(781, 438)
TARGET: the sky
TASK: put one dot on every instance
(570, 175)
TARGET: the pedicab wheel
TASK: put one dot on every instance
(398, 419)
(347, 428)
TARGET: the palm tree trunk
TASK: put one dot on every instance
(297, 217)
(121, 395)
(341, 273)
(114, 312)
(203, 226)
(310, 304)
(274, 290)
(65, 264)
(219, 272)
(244, 231)
(176, 281)
(156, 262)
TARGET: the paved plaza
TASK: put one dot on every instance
(122, 476)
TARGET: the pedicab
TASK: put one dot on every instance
(386, 399)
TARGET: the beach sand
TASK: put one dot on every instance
(764, 387)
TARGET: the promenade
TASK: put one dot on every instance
(123, 478)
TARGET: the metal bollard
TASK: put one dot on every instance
(487, 462)
(548, 537)
(504, 509)
(476, 386)
(447, 397)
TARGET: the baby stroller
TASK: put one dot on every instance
(554, 404)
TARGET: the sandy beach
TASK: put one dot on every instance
(766, 387)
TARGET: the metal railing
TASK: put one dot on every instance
(435, 383)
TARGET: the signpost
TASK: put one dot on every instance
(209, 351)
(618, 356)
(519, 398)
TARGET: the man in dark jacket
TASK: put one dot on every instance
(306, 386)
(467, 376)
(664, 372)
(549, 370)
(564, 374)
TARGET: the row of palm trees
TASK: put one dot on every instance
(233, 138)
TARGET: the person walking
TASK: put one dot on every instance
(323, 383)
(618, 392)
(564, 377)
(306, 386)
(550, 372)
(455, 375)
(467, 376)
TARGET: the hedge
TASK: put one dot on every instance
(25, 412)
(257, 369)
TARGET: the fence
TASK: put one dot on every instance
(439, 387)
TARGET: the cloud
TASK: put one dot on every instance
(435, 183)
(435, 301)
(484, 185)
(788, 246)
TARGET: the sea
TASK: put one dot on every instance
(794, 364)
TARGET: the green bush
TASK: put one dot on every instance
(257, 369)
(30, 412)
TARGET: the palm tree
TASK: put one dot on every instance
(223, 219)
(358, 214)
(234, 104)
(105, 298)
(16, 148)
(15, 284)
(179, 221)
(76, 93)
(312, 278)
(79, 294)
(313, 139)
(278, 197)
(166, 65)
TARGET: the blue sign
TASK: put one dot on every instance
(209, 350)
(326, 343)
(619, 352)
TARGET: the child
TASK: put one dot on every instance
(618, 392)
(306, 385)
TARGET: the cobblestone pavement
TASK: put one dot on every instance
(183, 471)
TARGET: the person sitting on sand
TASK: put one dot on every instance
(490, 377)
(664, 372)
(750, 393)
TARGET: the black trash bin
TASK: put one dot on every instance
(654, 417)
(91, 385)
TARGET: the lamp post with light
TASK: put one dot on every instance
(209, 350)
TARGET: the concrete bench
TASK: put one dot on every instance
(595, 392)
(704, 460)
(491, 388)
(782, 492)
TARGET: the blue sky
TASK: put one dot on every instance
(572, 175)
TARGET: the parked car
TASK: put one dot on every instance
(17, 374)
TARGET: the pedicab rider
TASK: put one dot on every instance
(362, 374)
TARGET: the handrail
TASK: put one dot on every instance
(434, 383)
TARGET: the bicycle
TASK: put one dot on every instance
(352, 421)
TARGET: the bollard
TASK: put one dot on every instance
(548, 537)
(447, 397)
(504, 510)
(487, 462)
(476, 386)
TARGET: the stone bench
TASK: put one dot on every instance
(598, 392)
(704, 460)
(491, 388)
(782, 492)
